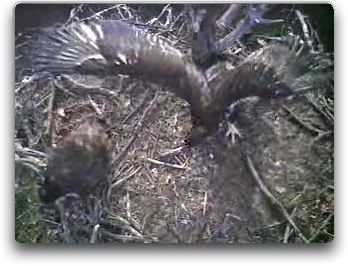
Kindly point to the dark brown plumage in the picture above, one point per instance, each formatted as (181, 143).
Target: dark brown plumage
(81, 165)
(109, 47)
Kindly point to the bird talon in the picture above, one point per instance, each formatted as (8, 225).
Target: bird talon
(232, 131)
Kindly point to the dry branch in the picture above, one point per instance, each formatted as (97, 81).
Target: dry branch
(321, 227)
(49, 129)
(125, 224)
(94, 233)
(229, 16)
(172, 152)
(273, 199)
(120, 182)
(301, 122)
(95, 106)
(136, 131)
(66, 83)
(127, 238)
(176, 166)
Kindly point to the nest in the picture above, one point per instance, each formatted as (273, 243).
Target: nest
(161, 189)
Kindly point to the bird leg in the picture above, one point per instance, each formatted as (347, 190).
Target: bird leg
(232, 132)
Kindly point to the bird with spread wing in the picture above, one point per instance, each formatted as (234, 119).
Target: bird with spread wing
(110, 47)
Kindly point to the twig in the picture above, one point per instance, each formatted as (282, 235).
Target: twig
(315, 37)
(94, 106)
(49, 221)
(73, 14)
(120, 182)
(274, 201)
(28, 131)
(136, 110)
(48, 130)
(176, 20)
(123, 170)
(205, 202)
(301, 122)
(304, 29)
(176, 166)
(229, 16)
(30, 159)
(64, 90)
(126, 237)
(140, 24)
(20, 86)
(94, 233)
(173, 151)
(272, 225)
(321, 227)
(32, 167)
(29, 210)
(126, 9)
(128, 209)
(126, 224)
(322, 135)
(319, 132)
(67, 83)
(288, 230)
(148, 174)
(154, 146)
(136, 130)
(44, 98)
(328, 116)
(180, 162)
(181, 27)
(203, 32)
(97, 15)
(253, 18)
(29, 151)
(154, 20)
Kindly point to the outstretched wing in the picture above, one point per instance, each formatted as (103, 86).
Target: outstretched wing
(277, 70)
(107, 47)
